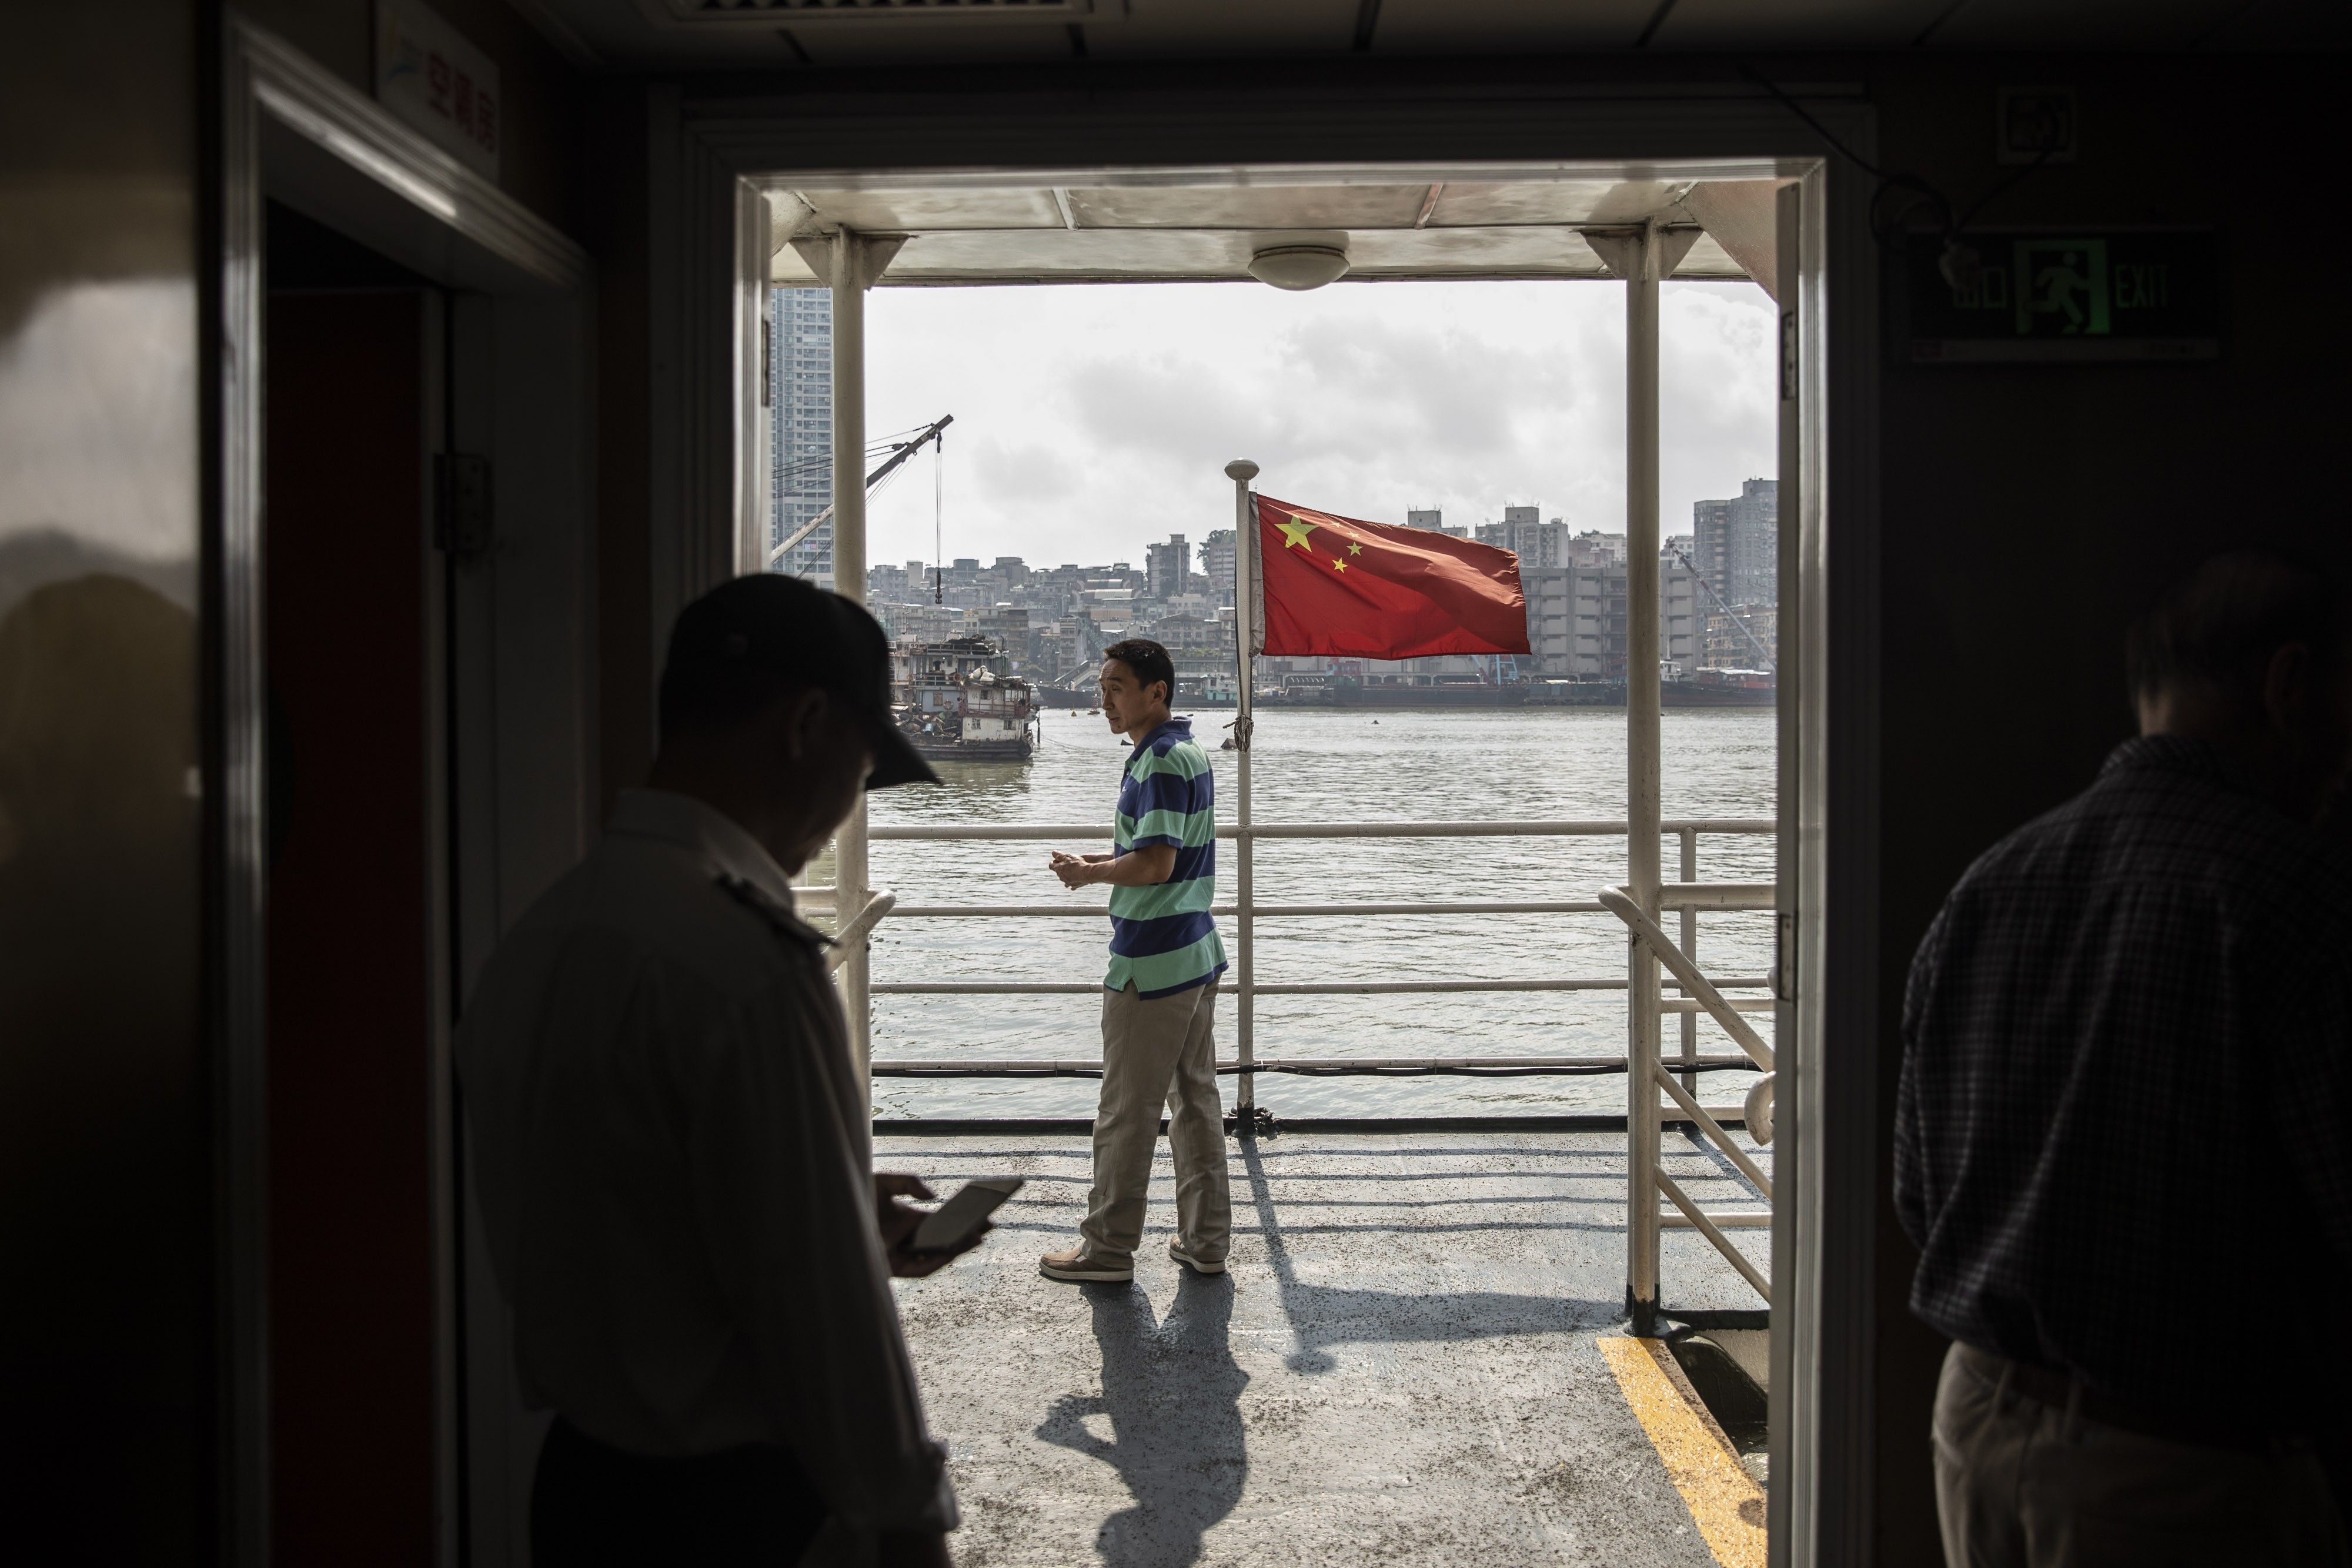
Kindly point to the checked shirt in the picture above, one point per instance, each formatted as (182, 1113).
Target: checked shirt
(2123, 1128)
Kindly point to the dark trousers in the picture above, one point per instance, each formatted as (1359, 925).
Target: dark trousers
(2020, 1484)
(593, 1505)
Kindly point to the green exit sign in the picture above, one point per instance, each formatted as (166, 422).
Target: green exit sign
(2061, 297)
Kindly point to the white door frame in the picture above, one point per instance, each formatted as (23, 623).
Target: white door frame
(1828, 1172)
(517, 709)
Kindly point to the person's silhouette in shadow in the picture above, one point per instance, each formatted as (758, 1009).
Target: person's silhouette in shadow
(1173, 1393)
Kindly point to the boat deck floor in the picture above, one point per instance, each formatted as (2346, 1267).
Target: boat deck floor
(1402, 1366)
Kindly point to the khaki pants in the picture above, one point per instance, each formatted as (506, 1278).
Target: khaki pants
(1156, 1050)
(2020, 1483)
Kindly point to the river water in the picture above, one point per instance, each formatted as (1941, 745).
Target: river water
(1330, 766)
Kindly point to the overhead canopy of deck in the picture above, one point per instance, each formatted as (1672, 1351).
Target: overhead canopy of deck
(1205, 225)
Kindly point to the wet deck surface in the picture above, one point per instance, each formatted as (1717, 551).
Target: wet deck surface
(1400, 1368)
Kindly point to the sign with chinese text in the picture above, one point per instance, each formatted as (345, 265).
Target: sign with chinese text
(2060, 296)
(432, 78)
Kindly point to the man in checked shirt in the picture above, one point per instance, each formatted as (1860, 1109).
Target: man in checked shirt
(2126, 1114)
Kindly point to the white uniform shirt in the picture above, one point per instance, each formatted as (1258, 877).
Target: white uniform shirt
(675, 1170)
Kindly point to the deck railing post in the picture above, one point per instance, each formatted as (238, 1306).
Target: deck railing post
(1241, 471)
(1643, 809)
(849, 857)
(1690, 950)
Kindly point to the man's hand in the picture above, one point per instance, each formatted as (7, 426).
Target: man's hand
(1076, 870)
(897, 1220)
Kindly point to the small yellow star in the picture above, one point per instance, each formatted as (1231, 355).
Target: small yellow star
(1354, 548)
(1338, 565)
(1298, 529)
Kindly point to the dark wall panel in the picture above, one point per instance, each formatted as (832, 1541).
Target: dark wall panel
(106, 1347)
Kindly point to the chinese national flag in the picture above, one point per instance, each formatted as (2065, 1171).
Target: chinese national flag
(1379, 590)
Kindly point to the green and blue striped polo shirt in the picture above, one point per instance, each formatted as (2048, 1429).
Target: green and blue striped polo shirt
(1162, 938)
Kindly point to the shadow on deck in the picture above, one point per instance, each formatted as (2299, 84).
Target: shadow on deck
(1400, 1367)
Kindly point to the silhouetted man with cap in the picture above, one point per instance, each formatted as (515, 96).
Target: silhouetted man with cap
(2127, 1083)
(672, 1146)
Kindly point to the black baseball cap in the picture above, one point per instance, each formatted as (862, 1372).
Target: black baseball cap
(767, 623)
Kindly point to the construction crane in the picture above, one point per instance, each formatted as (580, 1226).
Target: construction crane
(1733, 616)
(899, 452)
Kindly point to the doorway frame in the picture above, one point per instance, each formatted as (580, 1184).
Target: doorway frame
(291, 130)
(708, 260)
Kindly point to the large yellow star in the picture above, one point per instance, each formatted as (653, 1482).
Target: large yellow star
(1298, 529)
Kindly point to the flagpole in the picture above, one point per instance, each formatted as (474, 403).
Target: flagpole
(1241, 471)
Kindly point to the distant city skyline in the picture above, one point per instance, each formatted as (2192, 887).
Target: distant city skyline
(1094, 420)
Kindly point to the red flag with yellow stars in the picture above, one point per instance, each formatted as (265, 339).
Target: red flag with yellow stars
(1338, 585)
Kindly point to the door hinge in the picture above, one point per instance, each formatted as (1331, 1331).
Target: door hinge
(461, 504)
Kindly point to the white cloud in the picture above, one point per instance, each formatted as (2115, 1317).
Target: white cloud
(1090, 419)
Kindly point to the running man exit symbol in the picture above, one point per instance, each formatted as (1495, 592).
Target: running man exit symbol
(2061, 287)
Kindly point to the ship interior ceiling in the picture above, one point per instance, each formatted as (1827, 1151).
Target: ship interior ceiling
(360, 484)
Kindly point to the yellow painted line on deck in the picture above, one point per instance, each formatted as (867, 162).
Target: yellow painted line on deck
(1724, 1500)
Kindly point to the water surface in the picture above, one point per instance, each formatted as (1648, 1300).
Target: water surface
(1330, 766)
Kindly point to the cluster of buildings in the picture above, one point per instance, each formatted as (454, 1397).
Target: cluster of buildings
(1717, 587)
(1055, 622)
(1717, 594)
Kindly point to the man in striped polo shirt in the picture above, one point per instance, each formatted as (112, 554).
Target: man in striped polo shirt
(1159, 998)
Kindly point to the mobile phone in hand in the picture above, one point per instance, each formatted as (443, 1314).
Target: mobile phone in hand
(951, 1224)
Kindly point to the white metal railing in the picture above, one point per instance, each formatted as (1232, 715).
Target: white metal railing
(1688, 896)
(1647, 1179)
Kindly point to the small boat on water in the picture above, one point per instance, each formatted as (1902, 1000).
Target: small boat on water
(1720, 688)
(959, 701)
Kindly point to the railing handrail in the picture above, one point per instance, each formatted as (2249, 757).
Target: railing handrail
(943, 832)
(1648, 1184)
(1750, 896)
(1646, 931)
(1302, 1066)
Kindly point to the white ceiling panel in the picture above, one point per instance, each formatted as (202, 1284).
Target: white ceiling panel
(1248, 207)
(1525, 228)
(1061, 255)
(1554, 202)
(1099, 256)
(1467, 253)
(906, 212)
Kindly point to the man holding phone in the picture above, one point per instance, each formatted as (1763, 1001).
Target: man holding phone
(671, 1143)
(1159, 998)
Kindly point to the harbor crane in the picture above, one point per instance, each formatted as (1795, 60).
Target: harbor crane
(1733, 616)
(899, 452)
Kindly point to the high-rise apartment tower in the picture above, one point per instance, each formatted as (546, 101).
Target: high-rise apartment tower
(1737, 543)
(800, 428)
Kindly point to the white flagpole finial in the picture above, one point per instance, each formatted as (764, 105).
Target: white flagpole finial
(1241, 469)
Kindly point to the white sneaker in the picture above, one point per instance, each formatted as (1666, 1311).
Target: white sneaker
(1198, 1265)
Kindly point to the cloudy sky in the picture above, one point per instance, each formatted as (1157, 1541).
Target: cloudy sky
(1091, 419)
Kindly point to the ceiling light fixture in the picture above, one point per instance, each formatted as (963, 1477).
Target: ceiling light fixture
(1299, 267)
